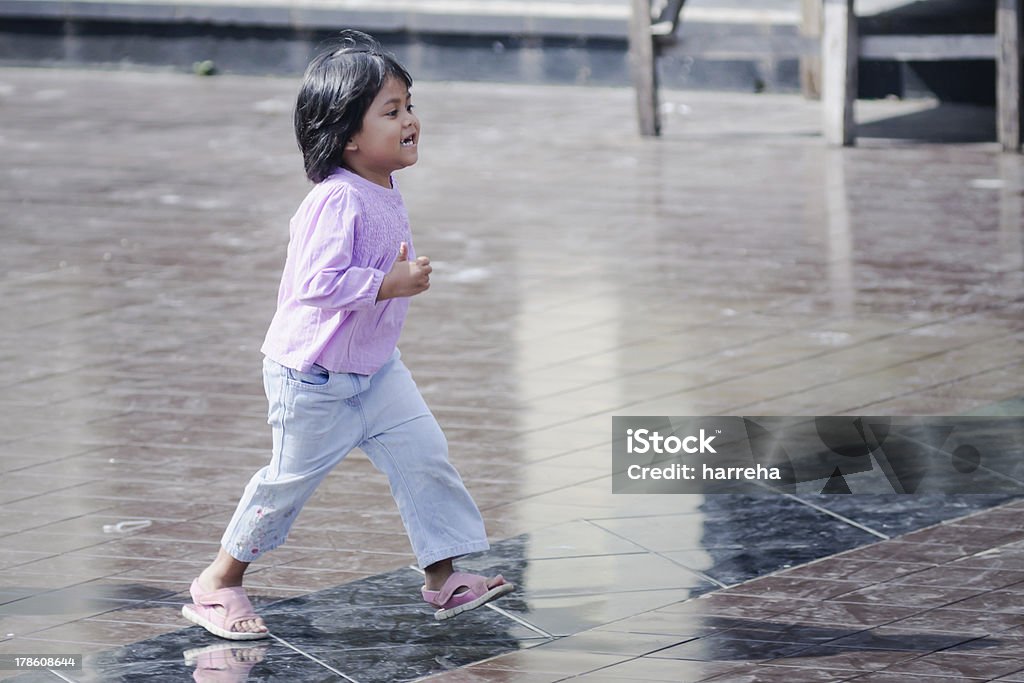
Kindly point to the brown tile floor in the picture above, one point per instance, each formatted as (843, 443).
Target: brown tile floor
(735, 266)
(825, 621)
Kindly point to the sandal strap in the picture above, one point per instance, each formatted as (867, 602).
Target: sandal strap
(234, 600)
(473, 582)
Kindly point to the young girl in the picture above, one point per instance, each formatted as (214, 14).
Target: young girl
(332, 373)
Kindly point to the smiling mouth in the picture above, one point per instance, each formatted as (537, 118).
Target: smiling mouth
(409, 141)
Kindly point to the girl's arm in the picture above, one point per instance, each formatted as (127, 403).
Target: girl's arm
(325, 276)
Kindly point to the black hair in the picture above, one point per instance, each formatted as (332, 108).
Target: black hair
(337, 89)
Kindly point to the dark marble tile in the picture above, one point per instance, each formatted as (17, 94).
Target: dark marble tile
(201, 661)
(371, 627)
(378, 627)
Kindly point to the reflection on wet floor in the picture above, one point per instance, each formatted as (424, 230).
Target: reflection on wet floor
(735, 267)
(572, 578)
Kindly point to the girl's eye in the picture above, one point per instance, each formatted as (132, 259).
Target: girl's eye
(410, 108)
(392, 113)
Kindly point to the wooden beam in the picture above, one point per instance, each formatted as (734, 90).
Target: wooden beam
(1008, 69)
(644, 68)
(810, 65)
(839, 71)
(907, 48)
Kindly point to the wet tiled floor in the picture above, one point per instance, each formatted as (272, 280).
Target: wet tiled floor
(735, 266)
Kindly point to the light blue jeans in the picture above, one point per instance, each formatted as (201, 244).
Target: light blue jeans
(317, 418)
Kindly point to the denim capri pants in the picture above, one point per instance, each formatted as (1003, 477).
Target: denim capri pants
(317, 417)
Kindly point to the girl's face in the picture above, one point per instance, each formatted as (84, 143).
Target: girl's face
(388, 138)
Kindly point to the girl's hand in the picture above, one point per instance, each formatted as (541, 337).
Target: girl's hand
(405, 278)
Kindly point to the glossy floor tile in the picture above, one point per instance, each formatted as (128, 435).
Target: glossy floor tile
(735, 266)
(377, 629)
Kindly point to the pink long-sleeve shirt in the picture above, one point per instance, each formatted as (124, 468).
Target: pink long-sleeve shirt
(344, 238)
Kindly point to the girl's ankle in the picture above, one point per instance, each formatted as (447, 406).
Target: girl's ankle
(434, 580)
(211, 579)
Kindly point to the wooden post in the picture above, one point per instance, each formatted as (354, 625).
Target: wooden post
(644, 67)
(839, 67)
(810, 65)
(841, 281)
(1011, 215)
(1008, 68)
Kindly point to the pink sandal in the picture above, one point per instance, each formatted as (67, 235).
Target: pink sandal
(237, 608)
(477, 593)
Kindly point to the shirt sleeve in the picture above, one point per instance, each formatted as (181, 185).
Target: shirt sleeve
(325, 275)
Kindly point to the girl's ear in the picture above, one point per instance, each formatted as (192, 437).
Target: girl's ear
(351, 145)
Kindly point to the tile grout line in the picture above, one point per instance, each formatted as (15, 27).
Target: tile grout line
(841, 518)
(502, 612)
(521, 621)
(313, 659)
(696, 572)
